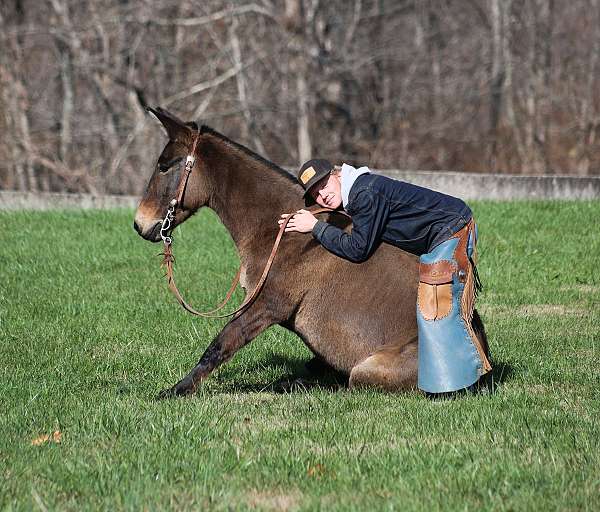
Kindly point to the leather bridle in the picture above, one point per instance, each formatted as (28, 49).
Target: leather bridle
(190, 160)
(169, 259)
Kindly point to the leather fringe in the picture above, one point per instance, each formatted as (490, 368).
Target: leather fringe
(467, 303)
(478, 284)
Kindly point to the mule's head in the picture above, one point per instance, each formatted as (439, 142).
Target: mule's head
(165, 179)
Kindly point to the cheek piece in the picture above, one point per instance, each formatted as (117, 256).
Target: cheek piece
(190, 160)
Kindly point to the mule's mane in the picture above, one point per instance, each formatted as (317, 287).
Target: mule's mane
(210, 131)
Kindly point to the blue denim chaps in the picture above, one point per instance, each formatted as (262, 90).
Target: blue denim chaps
(451, 357)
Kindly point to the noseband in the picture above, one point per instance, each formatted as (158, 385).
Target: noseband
(169, 259)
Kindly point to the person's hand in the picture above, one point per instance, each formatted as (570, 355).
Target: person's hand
(303, 221)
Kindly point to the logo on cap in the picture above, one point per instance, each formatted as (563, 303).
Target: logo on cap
(307, 175)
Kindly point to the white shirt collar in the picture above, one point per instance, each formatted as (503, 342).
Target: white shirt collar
(348, 177)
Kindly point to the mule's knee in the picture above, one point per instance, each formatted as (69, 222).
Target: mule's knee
(391, 369)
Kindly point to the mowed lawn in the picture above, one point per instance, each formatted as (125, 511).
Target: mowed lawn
(89, 334)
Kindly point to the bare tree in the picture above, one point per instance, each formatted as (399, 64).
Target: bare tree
(498, 85)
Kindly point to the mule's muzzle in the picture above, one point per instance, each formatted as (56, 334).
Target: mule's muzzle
(150, 233)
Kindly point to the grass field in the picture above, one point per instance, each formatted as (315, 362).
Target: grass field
(89, 335)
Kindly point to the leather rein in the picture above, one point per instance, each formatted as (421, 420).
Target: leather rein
(169, 259)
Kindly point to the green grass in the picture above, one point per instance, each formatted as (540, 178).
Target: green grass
(89, 334)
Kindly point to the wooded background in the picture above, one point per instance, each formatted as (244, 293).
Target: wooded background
(507, 86)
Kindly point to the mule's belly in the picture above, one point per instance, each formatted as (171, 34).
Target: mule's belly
(362, 308)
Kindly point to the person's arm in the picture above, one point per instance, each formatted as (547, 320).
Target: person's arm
(370, 213)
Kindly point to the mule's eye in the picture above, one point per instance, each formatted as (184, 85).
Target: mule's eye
(165, 166)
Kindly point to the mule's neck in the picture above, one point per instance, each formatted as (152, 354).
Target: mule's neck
(249, 195)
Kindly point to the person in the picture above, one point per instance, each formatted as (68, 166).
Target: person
(438, 228)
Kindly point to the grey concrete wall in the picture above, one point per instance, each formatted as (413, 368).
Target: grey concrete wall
(503, 186)
(44, 201)
(463, 185)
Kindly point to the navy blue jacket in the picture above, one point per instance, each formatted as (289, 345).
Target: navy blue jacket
(410, 217)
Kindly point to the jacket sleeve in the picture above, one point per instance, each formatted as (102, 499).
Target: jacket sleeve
(369, 217)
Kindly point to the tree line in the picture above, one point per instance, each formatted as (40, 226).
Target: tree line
(507, 86)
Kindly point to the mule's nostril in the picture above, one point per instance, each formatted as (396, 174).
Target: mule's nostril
(136, 227)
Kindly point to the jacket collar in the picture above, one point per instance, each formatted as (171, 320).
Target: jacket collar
(348, 177)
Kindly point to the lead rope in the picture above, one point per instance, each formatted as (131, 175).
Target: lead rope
(169, 259)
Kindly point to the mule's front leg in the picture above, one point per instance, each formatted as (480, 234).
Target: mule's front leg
(237, 333)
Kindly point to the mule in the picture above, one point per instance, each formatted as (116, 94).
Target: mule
(360, 319)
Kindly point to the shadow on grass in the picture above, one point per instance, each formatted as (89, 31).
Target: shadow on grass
(301, 376)
(315, 373)
(501, 373)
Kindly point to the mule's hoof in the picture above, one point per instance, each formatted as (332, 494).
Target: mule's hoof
(177, 391)
(166, 394)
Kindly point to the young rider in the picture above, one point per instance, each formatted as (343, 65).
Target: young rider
(438, 228)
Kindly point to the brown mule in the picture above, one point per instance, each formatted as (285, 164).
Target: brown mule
(358, 318)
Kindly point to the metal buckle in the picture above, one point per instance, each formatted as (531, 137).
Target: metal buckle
(189, 162)
(165, 227)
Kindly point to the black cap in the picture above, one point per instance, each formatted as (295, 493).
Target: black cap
(310, 173)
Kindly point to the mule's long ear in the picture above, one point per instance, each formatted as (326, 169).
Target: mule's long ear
(176, 128)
